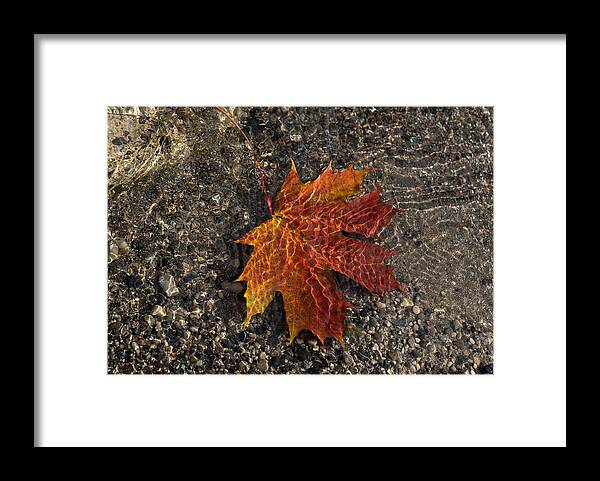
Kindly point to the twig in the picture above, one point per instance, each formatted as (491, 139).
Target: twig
(260, 170)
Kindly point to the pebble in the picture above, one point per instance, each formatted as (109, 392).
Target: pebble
(122, 245)
(113, 252)
(159, 311)
(487, 369)
(406, 302)
(167, 282)
(263, 364)
(348, 359)
(416, 310)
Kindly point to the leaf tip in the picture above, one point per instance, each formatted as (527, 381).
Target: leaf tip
(244, 240)
(293, 335)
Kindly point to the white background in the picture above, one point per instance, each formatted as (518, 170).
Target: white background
(523, 403)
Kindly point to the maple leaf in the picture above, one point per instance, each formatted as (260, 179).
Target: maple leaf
(297, 249)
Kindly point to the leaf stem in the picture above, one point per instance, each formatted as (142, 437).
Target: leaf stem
(260, 170)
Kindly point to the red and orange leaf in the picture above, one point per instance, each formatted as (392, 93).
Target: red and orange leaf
(296, 251)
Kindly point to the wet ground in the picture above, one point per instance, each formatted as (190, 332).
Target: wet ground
(183, 186)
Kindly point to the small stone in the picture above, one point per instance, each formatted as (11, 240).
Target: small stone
(149, 320)
(113, 251)
(159, 311)
(348, 359)
(399, 322)
(167, 282)
(263, 364)
(487, 369)
(380, 305)
(416, 310)
(406, 302)
(295, 137)
(122, 245)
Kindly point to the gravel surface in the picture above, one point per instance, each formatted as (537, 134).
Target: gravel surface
(182, 186)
